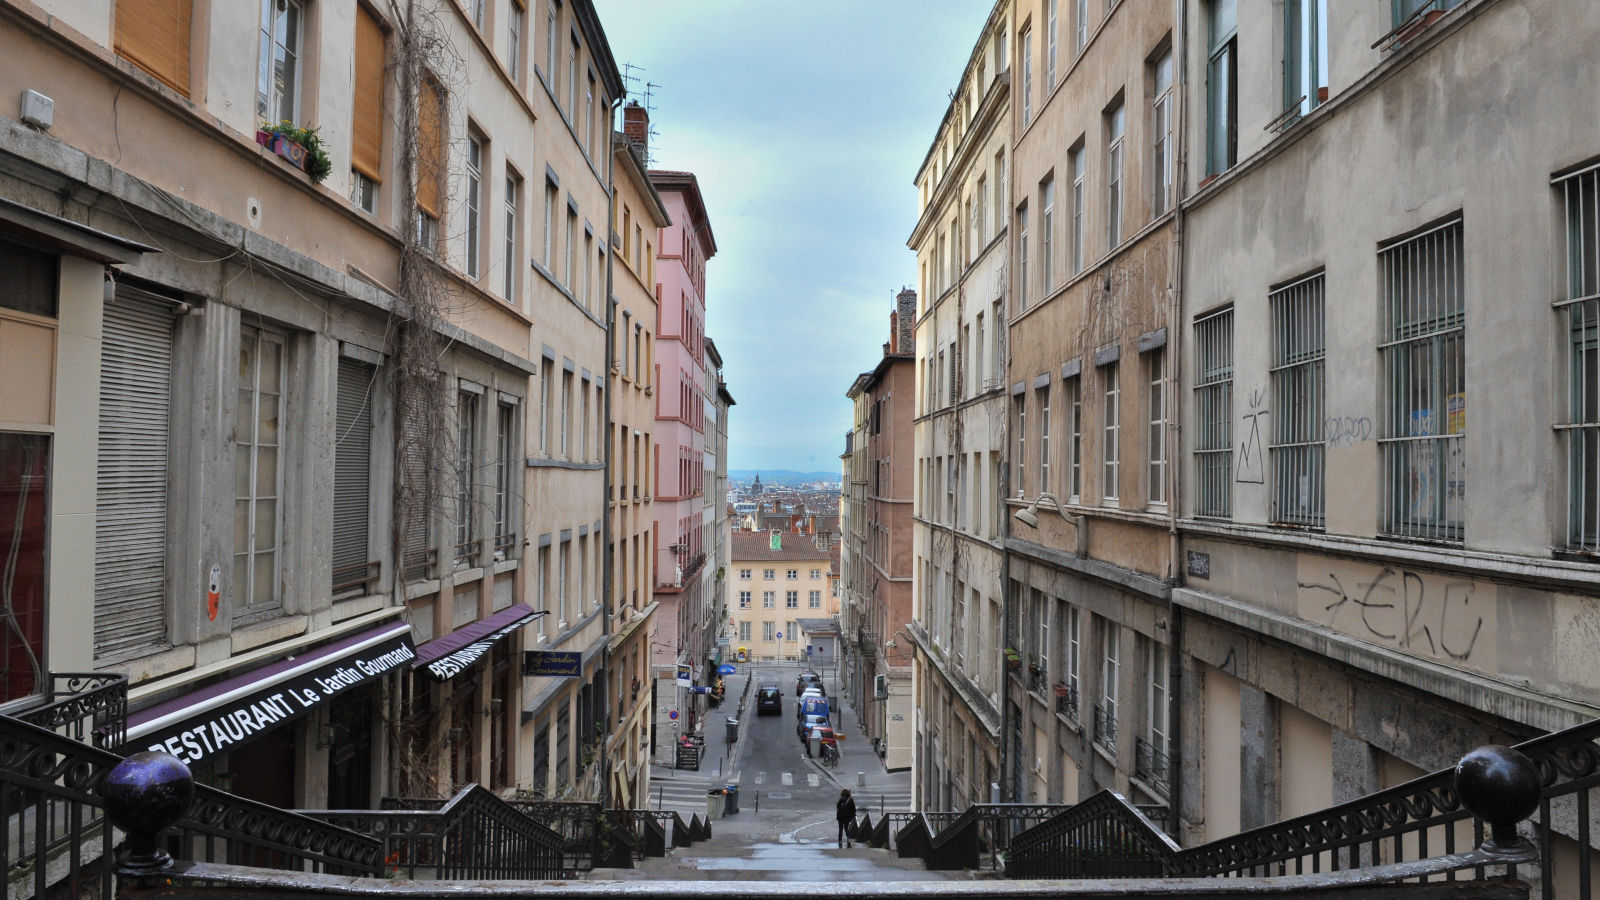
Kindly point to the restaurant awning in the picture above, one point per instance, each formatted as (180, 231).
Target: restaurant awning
(446, 657)
(229, 714)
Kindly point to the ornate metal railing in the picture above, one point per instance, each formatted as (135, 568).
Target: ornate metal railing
(1102, 837)
(973, 839)
(56, 831)
(473, 835)
(82, 705)
(591, 837)
(1150, 765)
(1067, 701)
(1105, 730)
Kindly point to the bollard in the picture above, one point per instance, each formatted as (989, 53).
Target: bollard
(659, 790)
(861, 779)
(758, 802)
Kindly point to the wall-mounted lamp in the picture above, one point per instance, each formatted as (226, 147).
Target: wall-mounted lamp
(1030, 518)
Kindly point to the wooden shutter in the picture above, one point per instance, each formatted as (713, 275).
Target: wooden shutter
(430, 145)
(352, 469)
(366, 153)
(130, 540)
(154, 35)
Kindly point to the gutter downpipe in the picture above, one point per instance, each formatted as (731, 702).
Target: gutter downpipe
(607, 589)
(1175, 427)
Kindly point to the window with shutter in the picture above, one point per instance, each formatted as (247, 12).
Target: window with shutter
(430, 146)
(131, 494)
(154, 35)
(366, 153)
(352, 477)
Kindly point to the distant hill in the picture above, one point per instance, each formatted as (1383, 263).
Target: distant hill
(781, 476)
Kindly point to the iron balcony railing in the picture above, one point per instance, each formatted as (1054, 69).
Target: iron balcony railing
(590, 837)
(473, 835)
(1067, 701)
(1105, 729)
(55, 839)
(84, 705)
(1150, 765)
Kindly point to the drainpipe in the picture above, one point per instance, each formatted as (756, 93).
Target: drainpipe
(607, 585)
(1008, 790)
(1175, 433)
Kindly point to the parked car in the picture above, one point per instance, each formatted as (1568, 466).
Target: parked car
(769, 700)
(803, 730)
(800, 704)
(809, 679)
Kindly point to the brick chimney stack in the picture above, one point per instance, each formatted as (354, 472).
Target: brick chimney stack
(894, 332)
(636, 128)
(906, 319)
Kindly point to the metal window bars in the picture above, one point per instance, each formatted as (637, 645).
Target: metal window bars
(1425, 416)
(1105, 729)
(1150, 765)
(1213, 453)
(1067, 700)
(1581, 431)
(1298, 447)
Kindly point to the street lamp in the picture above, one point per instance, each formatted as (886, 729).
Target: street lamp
(1030, 518)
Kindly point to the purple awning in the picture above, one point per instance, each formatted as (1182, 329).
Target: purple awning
(446, 657)
(231, 713)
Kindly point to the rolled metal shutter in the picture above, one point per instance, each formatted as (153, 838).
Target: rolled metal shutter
(352, 469)
(130, 540)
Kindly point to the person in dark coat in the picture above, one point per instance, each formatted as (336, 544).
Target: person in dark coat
(845, 812)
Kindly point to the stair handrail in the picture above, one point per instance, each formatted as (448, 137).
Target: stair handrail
(1104, 836)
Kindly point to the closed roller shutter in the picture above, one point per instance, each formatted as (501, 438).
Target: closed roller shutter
(352, 473)
(130, 541)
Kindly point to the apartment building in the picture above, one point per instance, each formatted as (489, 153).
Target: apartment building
(961, 240)
(302, 400)
(876, 556)
(717, 514)
(1366, 251)
(1090, 388)
(678, 550)
(632, 429)
(775, 580)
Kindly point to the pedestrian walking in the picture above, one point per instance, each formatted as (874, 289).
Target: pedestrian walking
(845, 812)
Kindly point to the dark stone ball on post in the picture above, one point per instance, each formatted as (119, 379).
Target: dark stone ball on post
(1500, 786)
(144, 795)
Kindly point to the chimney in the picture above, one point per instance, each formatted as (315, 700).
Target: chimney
(636, 128)
(894, 332)
(905, 318)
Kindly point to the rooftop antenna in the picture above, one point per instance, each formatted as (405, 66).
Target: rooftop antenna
(628, 78)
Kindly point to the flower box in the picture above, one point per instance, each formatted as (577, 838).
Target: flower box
(292, 151)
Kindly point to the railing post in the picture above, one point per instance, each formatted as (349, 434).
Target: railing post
(144, 795)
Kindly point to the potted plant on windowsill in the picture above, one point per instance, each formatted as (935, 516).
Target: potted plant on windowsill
(1013, 659)
(302, 147)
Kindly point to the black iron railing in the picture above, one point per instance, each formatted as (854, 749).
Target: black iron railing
(1038, 678)
(1067, 701)
(1105, 729)
(591, 836)
(972, 839)
(1150, 765)
(1102, 837)
(82, 705)
(55, 837)
(473, 835)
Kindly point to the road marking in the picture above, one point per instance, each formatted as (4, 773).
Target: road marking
(761, 778)
(813, 780)
(788, 779)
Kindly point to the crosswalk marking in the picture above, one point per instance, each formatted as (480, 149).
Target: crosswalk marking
(788, 778)
(761, 778)
(813, 780)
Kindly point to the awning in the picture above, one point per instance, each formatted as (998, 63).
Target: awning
(232, 713)
(446, 657)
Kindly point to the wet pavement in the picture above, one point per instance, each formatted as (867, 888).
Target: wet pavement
(804, 860)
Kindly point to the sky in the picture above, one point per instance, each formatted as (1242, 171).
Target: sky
(805, 122)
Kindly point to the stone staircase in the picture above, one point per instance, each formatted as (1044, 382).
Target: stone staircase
(734, 858)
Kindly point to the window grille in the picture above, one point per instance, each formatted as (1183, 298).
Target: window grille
(1582, 305)
(1298, 387)
(1424, 420)
(1214, 405)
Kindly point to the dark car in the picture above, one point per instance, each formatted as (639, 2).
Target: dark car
(809, 679)
(769, 700)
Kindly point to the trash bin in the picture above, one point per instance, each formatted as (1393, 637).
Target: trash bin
(814, 747)
(715, 803)
(730, 795)
(733, 729)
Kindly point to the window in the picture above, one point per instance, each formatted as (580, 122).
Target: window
(572, 248)
(1043, 395)
(547, 372)
(816, 574)
(572, 81)
(1305, 55)
(1027, 77)
(767, 630)
(366, 144)
(466, 472)
(1158, 426)
(1424, 369)
(513, 199)
(588, 118)
(506, 483)
(1020, 401)
(1071, 674)
(1081, 20)
(257, 452)
(514, 41)
(769, 574)
(1022, 250)
(1001, 195)
(978, 374)
(1041, 615)
(1050, 54)
(1047, 228)
(551, 199)
(1111, 449)
(1582, 313)
(551, 36)
(566, 413)
(744, 631)
(744, 574)
(769, 599)
(157, 39)
(474, 202)
(1297, 446)
(278, 71)
(1222, 89)
(24, 524)
(1118, 123)
(1213, 337)
(1079, 166)
(475, 11)
(1156, 709)
(1111, 671)
(792, 574)
(980, 216)
(814, 600)
(1161, 149)
(1074, 389)
(744, 599)
(791, 599)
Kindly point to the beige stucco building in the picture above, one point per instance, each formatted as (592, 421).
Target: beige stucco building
(774, 579)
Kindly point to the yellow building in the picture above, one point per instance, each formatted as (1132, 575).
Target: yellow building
(775, 580)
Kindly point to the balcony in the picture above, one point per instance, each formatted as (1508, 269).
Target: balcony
(82, 705)
(1105, 730)
(1067, 700)
(1150, 765)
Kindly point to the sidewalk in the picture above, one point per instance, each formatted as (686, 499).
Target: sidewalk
(860, 770)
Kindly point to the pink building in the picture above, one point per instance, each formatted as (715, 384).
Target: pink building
(683, 636)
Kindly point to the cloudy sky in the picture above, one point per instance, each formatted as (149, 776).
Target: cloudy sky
(805, 121)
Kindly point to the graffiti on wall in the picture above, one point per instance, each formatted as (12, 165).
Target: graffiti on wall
(1447, 619)
(1252, 468)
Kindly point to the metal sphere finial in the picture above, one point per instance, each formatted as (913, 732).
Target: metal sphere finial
(1500, 786)
(145, 795)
